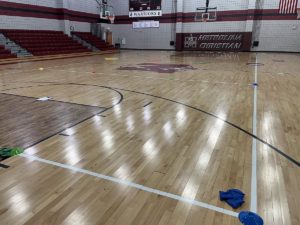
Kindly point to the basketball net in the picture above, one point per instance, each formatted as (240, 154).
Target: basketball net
(205, 17)
(298, 16)
(111, 19)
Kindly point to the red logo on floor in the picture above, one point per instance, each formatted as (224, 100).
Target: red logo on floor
(159, 68)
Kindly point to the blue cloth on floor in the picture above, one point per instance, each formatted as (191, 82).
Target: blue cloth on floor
(231, 193)
(235, 203)
(250, 218)
(233, 197)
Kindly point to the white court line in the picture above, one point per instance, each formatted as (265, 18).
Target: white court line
(253, 206)
(131, 184)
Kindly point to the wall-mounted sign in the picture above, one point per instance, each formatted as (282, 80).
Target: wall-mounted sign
(145, 8)
(149, 13)
(145, 24)
(216, 41)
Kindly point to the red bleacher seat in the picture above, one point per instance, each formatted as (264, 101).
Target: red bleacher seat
(95, 41)
(44, 42)
(5, 53)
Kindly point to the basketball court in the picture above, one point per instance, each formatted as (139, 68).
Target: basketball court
(151, 136)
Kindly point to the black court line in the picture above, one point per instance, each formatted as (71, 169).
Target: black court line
(79, 122)
(147, 104)
(255, 64)
(63, 134)
(62, 84)
(225, 121)
(279, 151)
(52, 100)
(4, 166)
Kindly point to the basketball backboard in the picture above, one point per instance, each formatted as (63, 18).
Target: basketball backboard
(206, 14)
(106, 11)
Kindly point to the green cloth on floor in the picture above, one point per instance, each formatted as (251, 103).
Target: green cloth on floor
(8, 152)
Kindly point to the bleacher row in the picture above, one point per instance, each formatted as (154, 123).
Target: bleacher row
(40, 43)
(93, 40)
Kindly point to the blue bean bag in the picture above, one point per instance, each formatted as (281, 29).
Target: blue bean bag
(250, 218)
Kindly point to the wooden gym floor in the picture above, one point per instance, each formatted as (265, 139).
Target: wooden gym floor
(151, 137)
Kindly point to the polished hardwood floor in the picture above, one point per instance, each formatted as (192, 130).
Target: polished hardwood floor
(152, 138)
(26, 121)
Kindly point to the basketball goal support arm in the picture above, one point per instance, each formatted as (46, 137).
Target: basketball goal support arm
(207, 7)
(207, 4)
(98, 2)
(101, 4)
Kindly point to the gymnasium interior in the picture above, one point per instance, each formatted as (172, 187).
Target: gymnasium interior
(149, 112)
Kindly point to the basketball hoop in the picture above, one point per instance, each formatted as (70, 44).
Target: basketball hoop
(111, 19)
(206, 14)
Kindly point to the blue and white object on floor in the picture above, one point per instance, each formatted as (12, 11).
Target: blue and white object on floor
(250, 218)
(233, 197)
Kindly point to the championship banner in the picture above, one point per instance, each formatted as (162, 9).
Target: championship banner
(145, 8)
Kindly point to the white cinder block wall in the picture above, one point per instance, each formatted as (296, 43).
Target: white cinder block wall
(279, 35)
(48, 3)
(223, 5)
(31, 23)
(34, 23)
(151, 38)
(87, 6)
(275, 34)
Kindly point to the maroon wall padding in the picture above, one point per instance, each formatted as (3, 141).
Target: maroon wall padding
(218, 41)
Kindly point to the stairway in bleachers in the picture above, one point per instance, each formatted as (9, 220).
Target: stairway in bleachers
(84, 43)
(95, 41)
(40, 43)
(13, 47)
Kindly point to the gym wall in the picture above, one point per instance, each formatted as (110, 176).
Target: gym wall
(246, 20)
(238, 24)
(151, 38)
(278, 33)
(48, 14)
